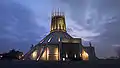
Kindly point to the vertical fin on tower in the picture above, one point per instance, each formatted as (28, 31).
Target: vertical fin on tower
(58, 21)
(57, 12)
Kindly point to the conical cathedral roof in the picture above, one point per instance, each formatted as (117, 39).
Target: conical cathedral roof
(55, 37)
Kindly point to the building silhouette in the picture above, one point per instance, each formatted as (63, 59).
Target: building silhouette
(59, 45)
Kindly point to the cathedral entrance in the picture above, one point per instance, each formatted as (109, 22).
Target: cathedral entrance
(70, 51)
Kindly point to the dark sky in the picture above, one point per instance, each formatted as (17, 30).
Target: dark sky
(26, 22)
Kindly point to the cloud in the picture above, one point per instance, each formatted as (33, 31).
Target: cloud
(78, 31)
(43, 17)
(100, 17)
(109, 38)
(92, 20)
(18, 28)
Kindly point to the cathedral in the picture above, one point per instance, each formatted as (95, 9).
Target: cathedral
(58, 45)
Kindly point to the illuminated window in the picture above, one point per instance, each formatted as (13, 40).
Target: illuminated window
(43, 57)
(49, 39)
(34, 55)
(75, 55)
(80, 55)
(59, 39)
(51, 28)
(45, 54)
(56, 53)
(63, 59)
(66, 55)
(48, 53)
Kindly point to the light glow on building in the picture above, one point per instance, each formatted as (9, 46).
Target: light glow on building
(59, 39)
(43, 57)
(63, 59)
(75, 56)
(66, 55)
(58, 27)
(34, 55)
(85, 55)
(56, 54)
(48, 53)
(49, 39)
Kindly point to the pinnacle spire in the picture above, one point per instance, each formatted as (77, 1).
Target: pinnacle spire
(58, 21)
(57, 12)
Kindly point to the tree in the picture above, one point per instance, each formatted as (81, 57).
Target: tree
(12, 54)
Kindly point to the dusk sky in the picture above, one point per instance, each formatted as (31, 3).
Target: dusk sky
(26, 22)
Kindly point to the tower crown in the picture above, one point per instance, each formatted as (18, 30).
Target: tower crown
(58, 22)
